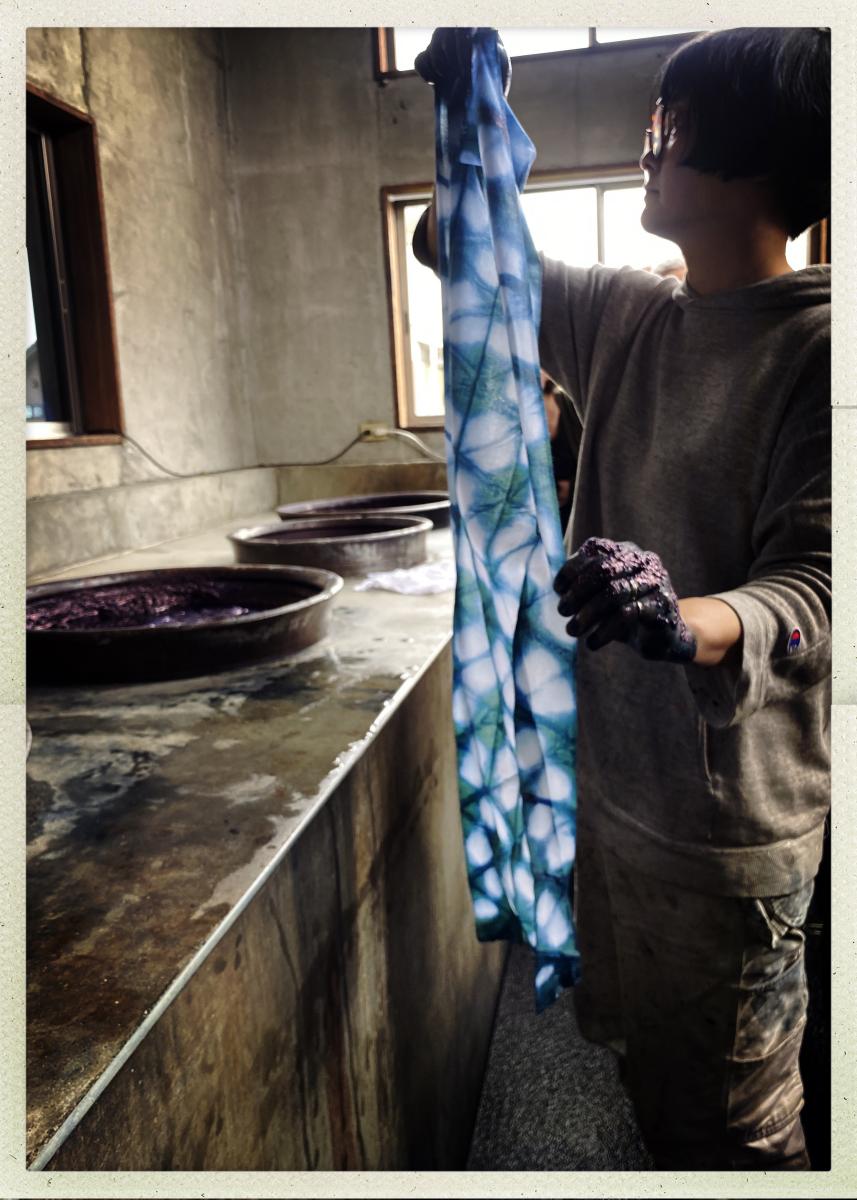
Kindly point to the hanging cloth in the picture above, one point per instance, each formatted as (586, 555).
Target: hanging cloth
(514, 705)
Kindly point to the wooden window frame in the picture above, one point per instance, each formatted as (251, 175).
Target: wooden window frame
(96, 415)
(819, 242)
(393, 197)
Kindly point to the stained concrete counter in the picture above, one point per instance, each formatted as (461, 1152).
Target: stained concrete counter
(157, 811)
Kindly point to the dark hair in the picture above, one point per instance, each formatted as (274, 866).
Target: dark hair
(759, 107)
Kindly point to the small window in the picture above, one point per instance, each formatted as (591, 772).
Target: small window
(407, 43)
(580, 218)
(417, 317)
(72, 388)
(622, 34)
(51, 403)
(577, 218)
(397, 48)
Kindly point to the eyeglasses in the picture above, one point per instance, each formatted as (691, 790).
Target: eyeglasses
(662, 132)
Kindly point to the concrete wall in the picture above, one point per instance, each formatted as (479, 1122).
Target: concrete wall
(353, 479)
(343, 1021)
(580, 109)
(314, 139)
(242, 170)
(157, 96)
(305, 149)
(98, 522)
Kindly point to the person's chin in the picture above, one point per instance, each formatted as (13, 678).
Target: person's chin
(651, 218)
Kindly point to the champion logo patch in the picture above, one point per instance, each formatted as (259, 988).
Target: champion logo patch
(794, 642)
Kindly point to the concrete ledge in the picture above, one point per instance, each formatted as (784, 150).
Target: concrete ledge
(251, 940)
(343, 1020)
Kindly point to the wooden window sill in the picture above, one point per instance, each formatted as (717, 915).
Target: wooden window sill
(84, 439)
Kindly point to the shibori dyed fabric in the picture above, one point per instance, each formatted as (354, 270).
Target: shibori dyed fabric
(513, 694)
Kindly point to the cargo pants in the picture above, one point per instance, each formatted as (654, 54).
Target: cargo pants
(704, 999)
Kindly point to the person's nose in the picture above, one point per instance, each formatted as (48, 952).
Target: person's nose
(647, 163)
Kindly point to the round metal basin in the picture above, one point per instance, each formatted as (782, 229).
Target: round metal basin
(433, 505)
(349, 545)
(169, 624)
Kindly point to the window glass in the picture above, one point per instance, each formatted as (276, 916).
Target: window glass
(620, 34)
(408, 43)
(425, 324)
(71, 382)
(542, 41)
(564, 223)
(797, 252)
(626, 243)
(46, 383)
(35, 398)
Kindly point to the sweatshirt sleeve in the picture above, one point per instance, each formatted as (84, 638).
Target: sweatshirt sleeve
(788, 591)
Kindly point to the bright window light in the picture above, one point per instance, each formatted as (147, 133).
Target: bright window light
(542, 41)
(797, 252)
(626, 243)
(31, 315)
(409, 42)
(632, 35)
(564, 223)
(425, 324)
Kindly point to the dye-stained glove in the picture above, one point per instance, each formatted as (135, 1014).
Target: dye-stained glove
(614, 591)
(445, 62)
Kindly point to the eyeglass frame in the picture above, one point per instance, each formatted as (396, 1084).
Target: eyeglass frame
(654, 142)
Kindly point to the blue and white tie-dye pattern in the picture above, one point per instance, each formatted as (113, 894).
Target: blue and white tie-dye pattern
(513, 697)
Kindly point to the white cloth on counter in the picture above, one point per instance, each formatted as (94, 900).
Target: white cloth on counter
(425, 579)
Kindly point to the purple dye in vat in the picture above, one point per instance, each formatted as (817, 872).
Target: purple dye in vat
(135, 606)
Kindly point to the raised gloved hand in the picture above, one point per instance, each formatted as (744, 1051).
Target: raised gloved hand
(614, 591)
(445, 62)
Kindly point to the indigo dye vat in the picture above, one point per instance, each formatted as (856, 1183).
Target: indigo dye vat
(167, 624)
(433, 505)
(352, 544)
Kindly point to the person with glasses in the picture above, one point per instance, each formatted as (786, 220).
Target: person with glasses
(698, 582)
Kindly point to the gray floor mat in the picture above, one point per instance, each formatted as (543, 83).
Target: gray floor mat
(550, 1101)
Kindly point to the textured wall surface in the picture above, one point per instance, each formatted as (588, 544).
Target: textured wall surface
(314, 483)
(314, 140)
(78, 527)
(580, 110)
(242, 171)
(303, 108)
(157, 97)
(343, 1021)
(55, 63)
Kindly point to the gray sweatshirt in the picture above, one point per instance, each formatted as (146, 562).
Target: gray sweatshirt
(706, 438)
